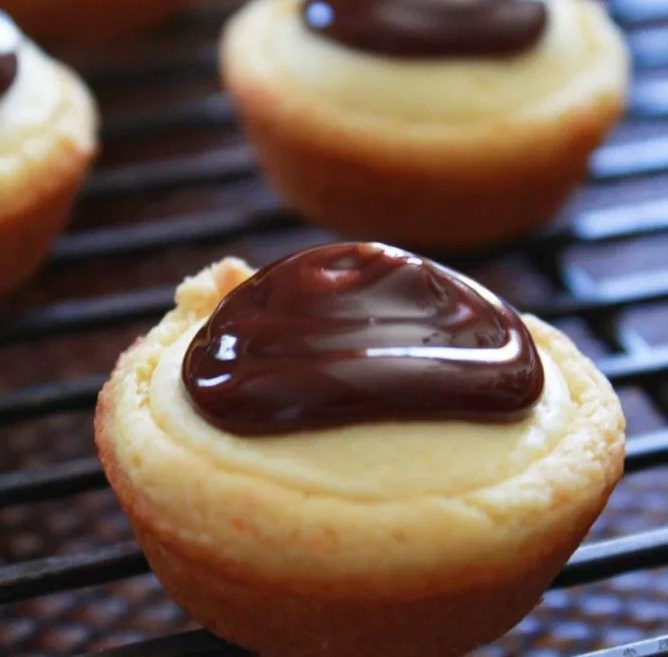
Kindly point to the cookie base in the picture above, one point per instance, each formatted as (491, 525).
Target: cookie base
(419, 197)
(27, 234)
(81, 21)
(274, 621)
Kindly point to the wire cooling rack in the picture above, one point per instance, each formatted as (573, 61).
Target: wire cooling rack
(176, 189)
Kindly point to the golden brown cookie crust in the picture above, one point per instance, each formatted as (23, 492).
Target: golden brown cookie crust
(274, 622)
(26, 236)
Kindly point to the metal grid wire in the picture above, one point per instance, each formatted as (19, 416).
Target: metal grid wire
(177, 188)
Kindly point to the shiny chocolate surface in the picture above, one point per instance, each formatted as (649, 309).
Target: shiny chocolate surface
(429, 28)
(360, 332)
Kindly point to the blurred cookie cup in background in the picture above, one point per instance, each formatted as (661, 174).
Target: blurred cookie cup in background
(469, 123)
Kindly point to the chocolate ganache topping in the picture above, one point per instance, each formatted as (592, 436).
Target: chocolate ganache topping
(10, 39)
(429, 28)
(355, 333)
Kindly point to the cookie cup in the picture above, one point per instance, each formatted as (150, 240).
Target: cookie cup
(284, 563)
(48, 125)
(448, 154)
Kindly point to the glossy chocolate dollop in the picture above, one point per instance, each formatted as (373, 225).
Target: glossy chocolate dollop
(10, 39)
(429, 28)
(359, 332)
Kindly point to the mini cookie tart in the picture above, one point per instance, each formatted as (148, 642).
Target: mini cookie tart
(87, 21)
(48, 128)
(356, 452)
(470, 123)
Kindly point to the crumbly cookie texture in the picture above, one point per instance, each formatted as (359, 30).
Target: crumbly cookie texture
(580, 57)
(263, 523)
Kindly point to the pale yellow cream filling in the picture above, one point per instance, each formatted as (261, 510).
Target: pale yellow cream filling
(580, 55)
(372, 461)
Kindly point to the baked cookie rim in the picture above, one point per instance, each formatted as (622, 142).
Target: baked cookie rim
(317, 114)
